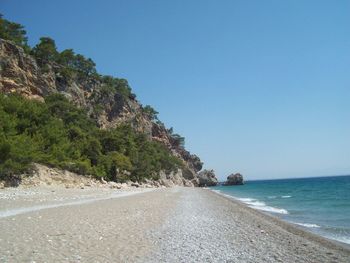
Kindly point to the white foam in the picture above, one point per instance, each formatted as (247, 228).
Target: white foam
(271, 209)
(341, 239)
(307, 225)
(286, 196)
(246, 199)
(256, 204)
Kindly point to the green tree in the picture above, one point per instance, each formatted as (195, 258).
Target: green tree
(66, 58)
(150, 112)
(13, 32)
(45, 51)
(85, 66)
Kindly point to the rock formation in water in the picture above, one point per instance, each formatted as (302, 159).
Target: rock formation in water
(234, 179)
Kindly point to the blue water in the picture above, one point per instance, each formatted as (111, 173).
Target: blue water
(321, 205)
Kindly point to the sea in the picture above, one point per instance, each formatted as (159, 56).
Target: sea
(320, 205)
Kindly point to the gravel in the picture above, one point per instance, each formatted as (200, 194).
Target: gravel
(206, 227)
(165, 225)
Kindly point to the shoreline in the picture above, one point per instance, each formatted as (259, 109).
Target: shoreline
(178, 224)
(290, 227)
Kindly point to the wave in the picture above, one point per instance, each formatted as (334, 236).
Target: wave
(286, 196)
(256, 204)
(307, 225)
(271, 209)
(246, 200)
(340, 239)
(327, 232)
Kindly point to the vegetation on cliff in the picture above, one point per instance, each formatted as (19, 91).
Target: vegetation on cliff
(13, 32)
(58, 133)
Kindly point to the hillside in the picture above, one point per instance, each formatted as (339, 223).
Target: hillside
(69, 116)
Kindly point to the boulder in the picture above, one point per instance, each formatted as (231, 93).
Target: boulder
(135, 185)
(124, 186)
(207, 178)
(114, 185)
(188, 174)
(194, 182)
(234, 179)
(166, 182)
(187, 183)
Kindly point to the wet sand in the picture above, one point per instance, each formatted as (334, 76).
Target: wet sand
(163, 225)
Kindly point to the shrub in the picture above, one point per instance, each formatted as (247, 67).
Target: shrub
(59, 134)
(45, 51)
(150, 112)
(13, 32)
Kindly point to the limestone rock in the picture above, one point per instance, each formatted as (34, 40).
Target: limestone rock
(114, 185)
(207, 178)
(234, 179)
(135, 184)
(188, 174)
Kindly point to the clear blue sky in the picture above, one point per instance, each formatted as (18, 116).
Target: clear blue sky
(257, 87)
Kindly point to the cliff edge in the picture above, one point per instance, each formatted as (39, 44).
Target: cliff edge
(105, 99)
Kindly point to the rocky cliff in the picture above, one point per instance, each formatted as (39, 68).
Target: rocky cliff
(20, 73)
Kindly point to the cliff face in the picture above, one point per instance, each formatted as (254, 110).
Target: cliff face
(20, 73)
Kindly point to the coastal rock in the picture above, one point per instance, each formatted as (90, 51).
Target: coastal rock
(135, 185)
(234, 179)
(114, 185)
(207, 178)
(123, 186)
(166, 183)
(188, 174)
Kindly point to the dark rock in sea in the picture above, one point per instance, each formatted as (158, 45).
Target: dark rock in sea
(234, 179)
(207, 178)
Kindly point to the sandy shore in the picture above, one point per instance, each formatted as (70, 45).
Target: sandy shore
(158, 225)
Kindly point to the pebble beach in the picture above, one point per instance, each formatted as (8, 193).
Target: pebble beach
(149, 225)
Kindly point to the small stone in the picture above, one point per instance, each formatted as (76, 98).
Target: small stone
(135, 184)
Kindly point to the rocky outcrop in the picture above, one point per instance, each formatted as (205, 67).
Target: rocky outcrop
(42, 175)
(207, 178)
(234, 179)
(20, 73)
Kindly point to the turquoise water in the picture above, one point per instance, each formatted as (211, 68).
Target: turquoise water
(321, 205)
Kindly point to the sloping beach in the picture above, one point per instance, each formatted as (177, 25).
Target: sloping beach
(162, 225)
